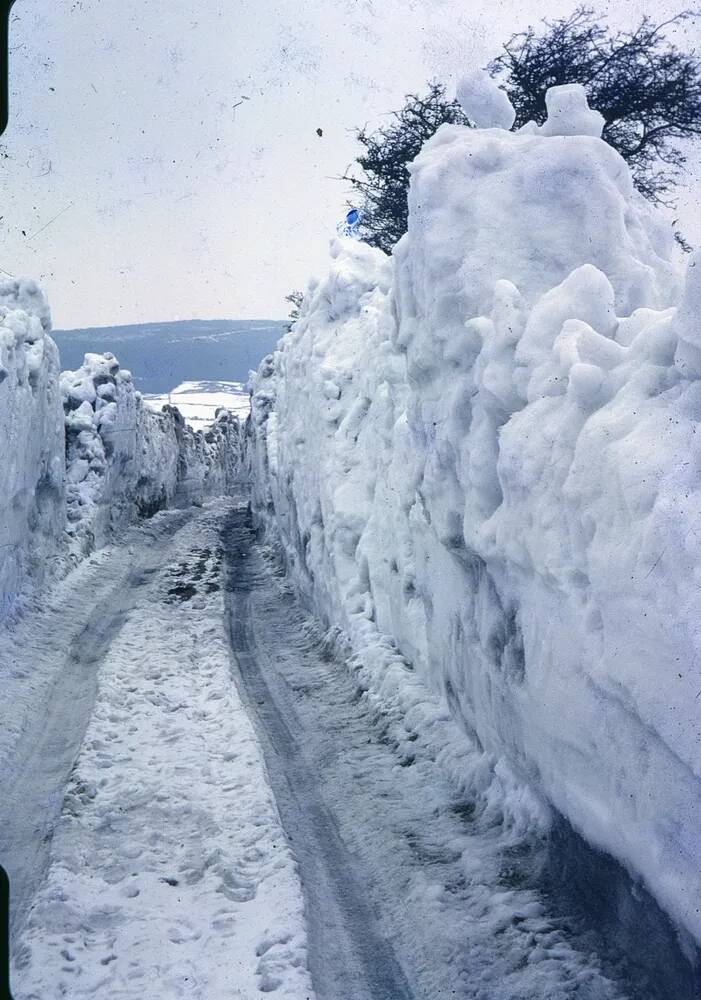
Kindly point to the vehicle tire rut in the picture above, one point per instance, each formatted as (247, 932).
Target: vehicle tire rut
(348, 954)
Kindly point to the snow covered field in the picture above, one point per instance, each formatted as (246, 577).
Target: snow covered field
(479, 459)
(198, 401)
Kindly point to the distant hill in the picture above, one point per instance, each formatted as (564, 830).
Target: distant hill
(160, 356)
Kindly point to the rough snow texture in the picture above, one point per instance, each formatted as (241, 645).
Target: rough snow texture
(570, 114)
(480, 458)
(124, 460)
(31, 436)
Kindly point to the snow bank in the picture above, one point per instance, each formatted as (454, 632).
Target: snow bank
(31, 431)
(480, 460)
(124, 460)
(82, 454)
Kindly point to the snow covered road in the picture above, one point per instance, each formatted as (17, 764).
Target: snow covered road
(50, 662)
(207, 804)
(349, 955)
(169, 875)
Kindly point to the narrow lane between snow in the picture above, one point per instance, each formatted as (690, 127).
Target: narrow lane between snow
(169, 875)
(174, 873)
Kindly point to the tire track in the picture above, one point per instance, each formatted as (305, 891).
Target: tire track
(348, 954)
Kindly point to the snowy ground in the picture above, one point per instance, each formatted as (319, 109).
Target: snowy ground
(160, 864)
(170, 875)
(198, 401)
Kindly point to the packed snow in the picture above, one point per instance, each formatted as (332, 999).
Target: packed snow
(170, 874)
(199, 401)
(570, 114)
(484, 102)
(411, 891)
(478, 457)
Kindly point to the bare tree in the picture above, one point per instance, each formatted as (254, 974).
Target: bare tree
(383, 182)
(648, 91)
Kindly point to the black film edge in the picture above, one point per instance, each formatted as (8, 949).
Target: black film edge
(4, 936)
(5, 6)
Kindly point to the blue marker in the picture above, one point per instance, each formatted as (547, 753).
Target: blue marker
(349, 226)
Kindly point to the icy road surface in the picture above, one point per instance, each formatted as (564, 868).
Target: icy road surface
(205, 805)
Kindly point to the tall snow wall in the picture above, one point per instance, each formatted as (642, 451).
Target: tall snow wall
(483, 452)
(31, 438)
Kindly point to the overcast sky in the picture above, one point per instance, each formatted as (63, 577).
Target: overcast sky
(136, 189)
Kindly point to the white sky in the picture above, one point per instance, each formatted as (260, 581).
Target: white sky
(174, 204)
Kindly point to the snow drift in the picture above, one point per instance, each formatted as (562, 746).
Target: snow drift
(31, 431)
(482, 453)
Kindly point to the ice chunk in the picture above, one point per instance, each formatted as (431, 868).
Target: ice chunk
(78, 470)
(569, 112)
(484, 103)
